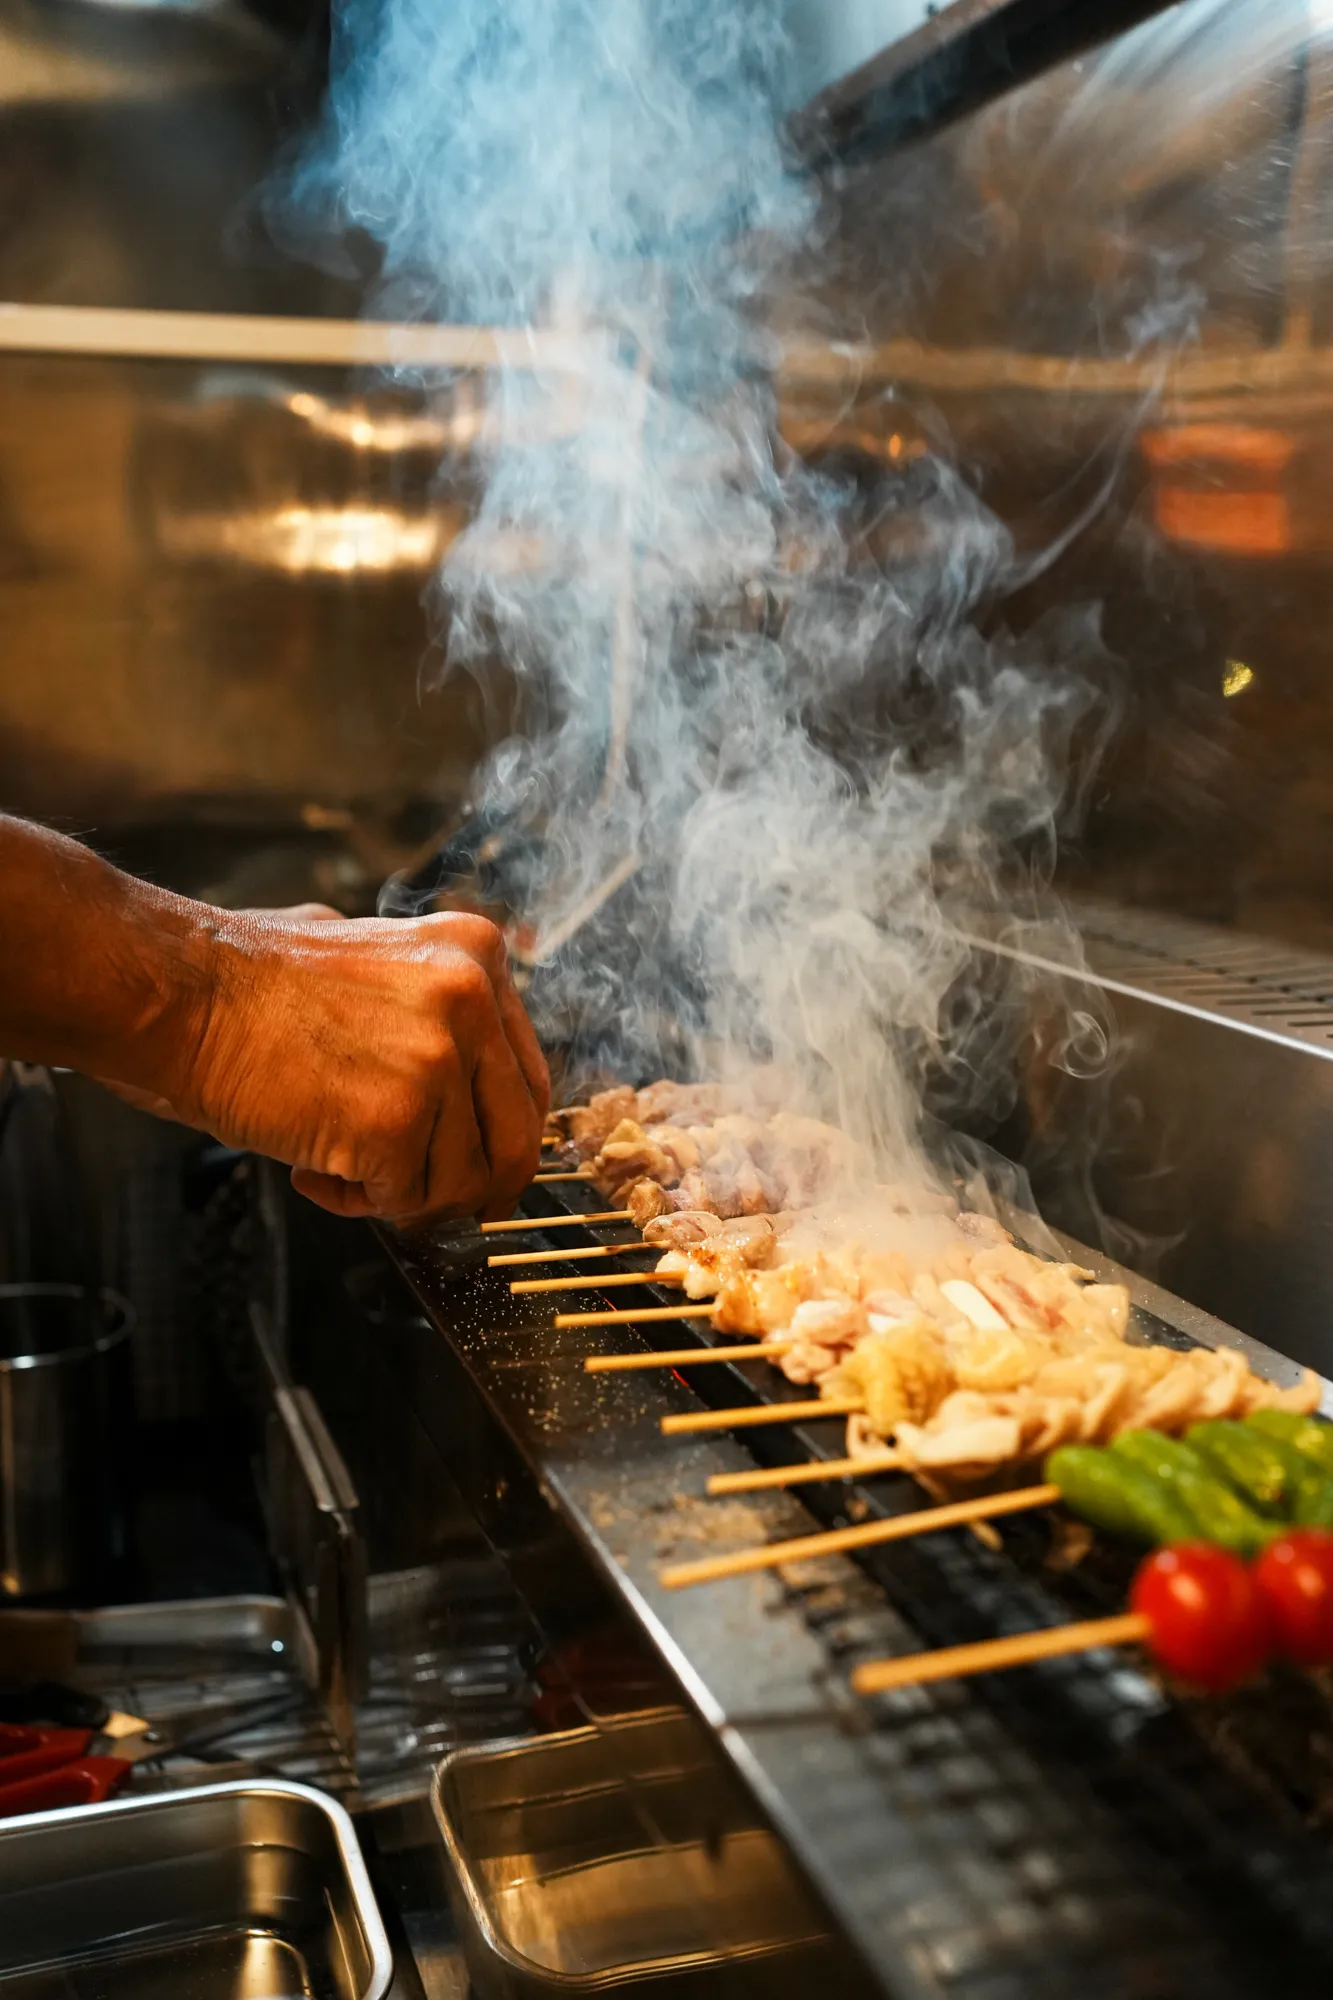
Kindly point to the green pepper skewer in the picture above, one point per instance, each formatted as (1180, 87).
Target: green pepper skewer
(1115, 1494)
(1223, 1516)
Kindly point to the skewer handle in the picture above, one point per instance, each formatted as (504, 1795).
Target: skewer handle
(988, 1655)
(575, 1174)
(566, 1256)
(613, 1280)
(629, 1317)
(684, 1357)
(762, 1413)
(533, 1224)
(866, 1535)
(808, 1473)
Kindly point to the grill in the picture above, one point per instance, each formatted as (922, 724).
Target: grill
(1066, 1827)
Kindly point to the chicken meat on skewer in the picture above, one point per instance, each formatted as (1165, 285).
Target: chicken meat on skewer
(981, 1358)
(970, 1355)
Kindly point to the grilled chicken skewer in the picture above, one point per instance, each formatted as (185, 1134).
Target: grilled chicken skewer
(964, 1351)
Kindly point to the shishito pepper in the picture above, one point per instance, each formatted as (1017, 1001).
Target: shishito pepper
(1114, 1493)
(1220, 1512)
(1305, 1434)
(1277, 1478)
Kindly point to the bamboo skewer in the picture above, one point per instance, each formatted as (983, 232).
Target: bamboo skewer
(988, 1655)
(765, 1477)
(550, 1139)
(569, 1256)
(577, 1174)
(631, 1317)
(683, 1357)
(866, 1535)
(760, 1413)
(612, 1280)
(533, 1223)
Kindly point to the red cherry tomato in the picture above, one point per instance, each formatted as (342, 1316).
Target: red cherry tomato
(1295, 1575)
(1208, 1621)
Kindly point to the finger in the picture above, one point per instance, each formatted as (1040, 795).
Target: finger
(484, 942)
(509, 1122)
(339, 1197)
(455, 1177)
(522, 1039)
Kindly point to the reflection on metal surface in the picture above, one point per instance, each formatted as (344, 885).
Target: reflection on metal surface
(1214, 1131)
(71, 55)
(618, 1853)
(212, 1892)
(305, 541)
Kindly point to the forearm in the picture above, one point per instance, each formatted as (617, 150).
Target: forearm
(98, 972)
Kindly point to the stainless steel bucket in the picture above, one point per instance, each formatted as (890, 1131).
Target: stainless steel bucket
(65, 1417)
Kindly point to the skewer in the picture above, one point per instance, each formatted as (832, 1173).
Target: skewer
(581, 1284)
(761, 1413)
(683, 1357)
(569, 1256)
(534, 1223)
(631, 1318)
(866, 1535)
(808, 1472)
(988, 1655)
(576, 1174)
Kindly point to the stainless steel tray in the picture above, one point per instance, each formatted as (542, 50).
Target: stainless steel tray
(253, 1890)
(614, 1856)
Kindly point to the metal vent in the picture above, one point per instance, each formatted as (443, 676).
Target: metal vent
(1269, 988)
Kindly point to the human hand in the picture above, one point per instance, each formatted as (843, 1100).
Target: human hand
(389, 1062)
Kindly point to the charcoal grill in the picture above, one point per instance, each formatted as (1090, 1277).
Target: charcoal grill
(1068, 1827)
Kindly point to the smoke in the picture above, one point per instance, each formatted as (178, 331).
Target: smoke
(755, 697)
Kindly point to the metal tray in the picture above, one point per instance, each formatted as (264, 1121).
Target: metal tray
(620, 1856)
(254, 1890)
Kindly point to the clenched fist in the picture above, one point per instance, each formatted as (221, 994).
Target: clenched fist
(389, 1063)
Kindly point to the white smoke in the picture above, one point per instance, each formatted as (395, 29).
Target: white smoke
(713, 668)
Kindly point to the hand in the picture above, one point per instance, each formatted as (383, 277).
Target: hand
(389, 1062)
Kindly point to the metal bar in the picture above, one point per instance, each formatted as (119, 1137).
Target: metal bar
(319, 343)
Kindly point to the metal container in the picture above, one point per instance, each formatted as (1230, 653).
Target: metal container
(620, 1855)
(256, 1890)
(65, 1410)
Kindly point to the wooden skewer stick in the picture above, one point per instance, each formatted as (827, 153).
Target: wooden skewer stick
(631, 1318)
(581, 1284)
(988, 1655)
(568, 1256)
(576, 1174)
(684, 1357)
(551, 1139)
(866, 1535)
(807, 1473)
(533, 1223)
(761, 1413)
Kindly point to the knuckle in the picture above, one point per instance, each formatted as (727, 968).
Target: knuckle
(469, 984)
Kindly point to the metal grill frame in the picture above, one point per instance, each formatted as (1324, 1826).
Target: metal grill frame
(1019, 1838)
